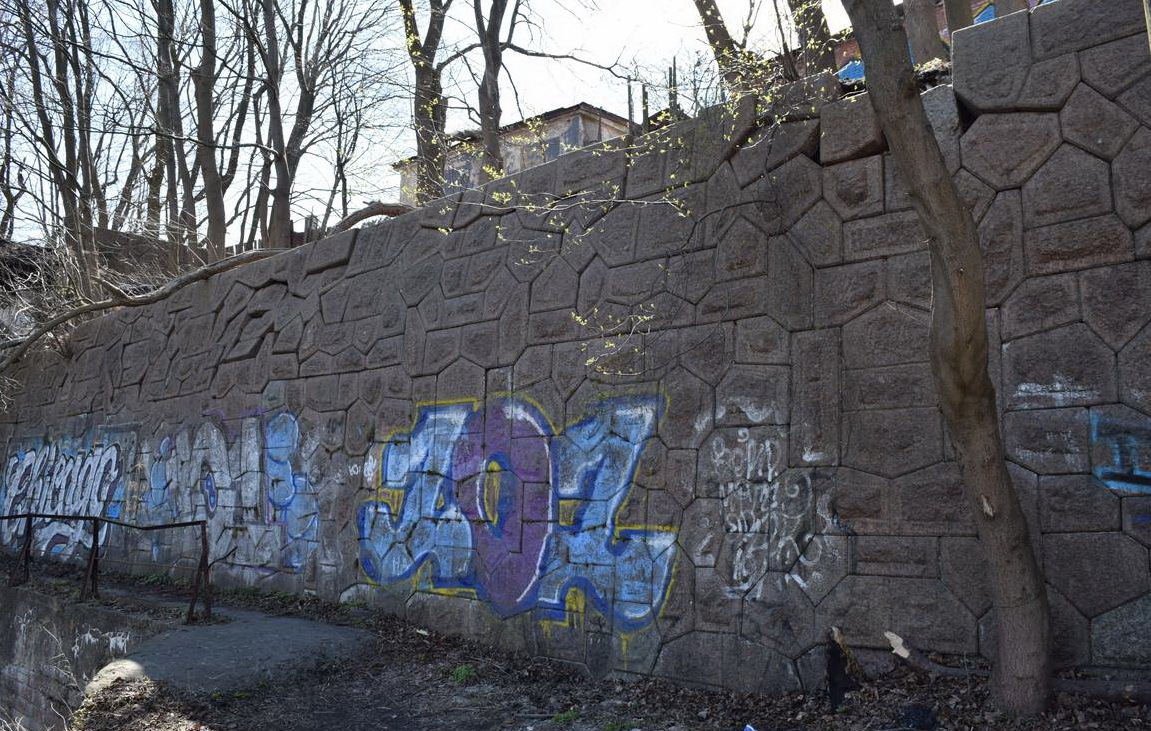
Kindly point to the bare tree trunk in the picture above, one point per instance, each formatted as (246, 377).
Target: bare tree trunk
(204, 82)
(919, 19)
(492, 159)
(429, 109)
(958, 14)
(280, 223)
(1022, 676)
(815, 48)
(729, 55)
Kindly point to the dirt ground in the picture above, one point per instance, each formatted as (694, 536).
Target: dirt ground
(413, 679)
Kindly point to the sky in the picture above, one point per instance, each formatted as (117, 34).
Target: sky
(644, 33)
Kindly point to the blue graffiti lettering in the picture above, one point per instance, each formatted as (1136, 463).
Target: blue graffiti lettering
(1121, 452)
(478, 494)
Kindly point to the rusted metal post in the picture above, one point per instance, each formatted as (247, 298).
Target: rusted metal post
(21, 572)
(202, 582)
(90, 584)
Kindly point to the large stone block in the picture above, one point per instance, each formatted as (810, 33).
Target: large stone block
(1120, 637)
(932, 500)
(1097, 572)
(886, 235)
(1049, 83)
(776, 614)
(1117, 301)
(964, 571)
(889, 387)
(896, 556)
(887, 335)
(789, 285)
(1074, 245)
(1135, 372)
(855, 188)
(1069, 366)
(741, 251)
(1113, 67)
(1076, 503)
(815, 398)
(842, 293)
(1131, 173)
(892, 443)
(1050, 441)
(761, 340)
(771, 146)
(990, 62)
(1058, 28)
(1004, 150)
(789, 191)
(909, 279)
(753, 395)
(819, 234)
(1095, 124)
(849, 129)
(922, 611)
(1071, 184)
(1041, 303)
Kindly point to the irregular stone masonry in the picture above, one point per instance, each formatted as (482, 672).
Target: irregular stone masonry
(664, 407)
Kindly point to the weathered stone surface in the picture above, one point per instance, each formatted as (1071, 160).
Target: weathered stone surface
(778, 615)
(1112, 67)
(1076, 503)
(909, 279)
(922, 611)
(790, 190)
(819, 235)
(849, 129)
(964, 571)
(789, 285)
(761, 340)
(1137, 518)
(741, 252)
(1049, 83)
(886, 235)
(1143, 242)
(330, 252)
(1135, 371)
(855, 188)
(990, 62)
(815, 404)
(1004, 150)
(1117, 301)
(1069, 366)
(892, 443)
(859, 500)
(1074, 245)
(1097, 572)
(690, 412)
(889, 387)
(943, 116)
(1071, 184)
(932, 500)
(975, 193)
(770, 147)
(887, 335)
(1095, 124)
(1132, 180)
(1120, 637)
(896, 556)
(842, 293)
(1041, 303)
(1049, 442)
(753, 395)
(699, 538)
(1057, 29)
(1070, 634)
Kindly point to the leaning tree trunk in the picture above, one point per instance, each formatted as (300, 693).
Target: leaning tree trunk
(959, 14)
(919, 16)
(1022, 676)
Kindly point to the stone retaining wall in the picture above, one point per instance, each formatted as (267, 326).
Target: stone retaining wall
(664, 407)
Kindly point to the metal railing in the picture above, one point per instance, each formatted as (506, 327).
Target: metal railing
(201, 584)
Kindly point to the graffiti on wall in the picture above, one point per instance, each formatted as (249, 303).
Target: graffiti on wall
(255, 480)
(491, 498)
(1121, 452)
(772, 519)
